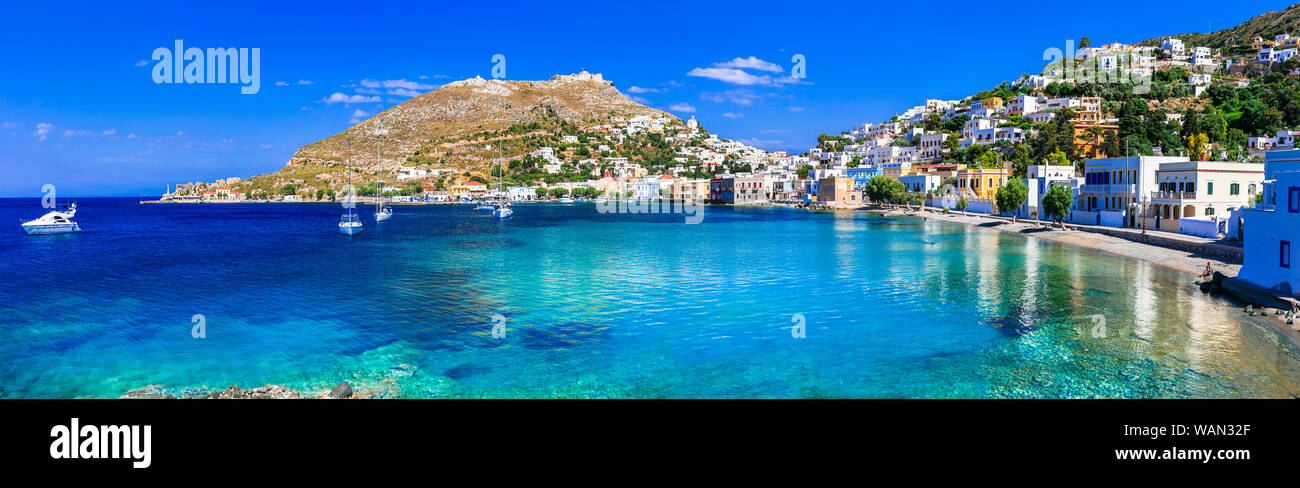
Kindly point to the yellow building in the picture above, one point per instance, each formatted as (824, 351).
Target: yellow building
(983, 182)
(897, 170)
(838, 192)
(991, 102)
(471, 189)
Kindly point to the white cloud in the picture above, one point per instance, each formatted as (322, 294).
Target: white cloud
(751, 63)
(742, 97)
(766, 144)
(132, 136)
(264, 146)
(9, 125)
(403, 87)
(731, 75)
(733, 115)
(43, 130)
(77, 133)
(640, 100)
(403, 92)
(180, 132)
(337, 97)
(682, 107)
(796, 109)
(281, 83)
(360, 114)
(109, 132)
(402, 83)
(141, 63)
(637, 89)
(306, 82)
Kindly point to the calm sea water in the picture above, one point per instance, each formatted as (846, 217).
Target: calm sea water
(602, 306)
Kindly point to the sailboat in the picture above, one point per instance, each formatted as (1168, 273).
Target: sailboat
(382, 213)
(350, 224)
(502, 210)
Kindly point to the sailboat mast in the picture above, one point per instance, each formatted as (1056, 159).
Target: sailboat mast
(350, 191)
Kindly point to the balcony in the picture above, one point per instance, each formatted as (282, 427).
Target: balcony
(1106, 189)
(1173, 195)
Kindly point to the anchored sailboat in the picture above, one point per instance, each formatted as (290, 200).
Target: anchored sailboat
(382, 213)
(502, 210)
(350, 224)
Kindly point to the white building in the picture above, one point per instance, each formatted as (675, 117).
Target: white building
(1201, 56)
(920, 183)
(521, 193)
(1191, 191)
(1271, 227)
(1039, 179)
(1174, 46)
(407, 173)
(1114, 189)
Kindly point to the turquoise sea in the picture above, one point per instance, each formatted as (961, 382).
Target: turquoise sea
(603, 305)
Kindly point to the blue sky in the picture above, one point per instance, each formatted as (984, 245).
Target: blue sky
(78, 108)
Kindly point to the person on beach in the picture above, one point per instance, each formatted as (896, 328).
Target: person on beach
(1209, 270)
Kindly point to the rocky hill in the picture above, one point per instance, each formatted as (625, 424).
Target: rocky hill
(450, 125)
(1265, 25)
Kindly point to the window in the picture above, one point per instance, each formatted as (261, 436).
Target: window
(1234, 189)
(1284, 258)
(1293, 199)
(1250, 190)
(1209, 188)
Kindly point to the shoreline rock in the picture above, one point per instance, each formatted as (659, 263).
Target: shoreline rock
(234, 392)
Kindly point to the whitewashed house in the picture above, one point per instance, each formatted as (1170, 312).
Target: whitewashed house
(1190, 196)
(1039, 179)
(1271, 228)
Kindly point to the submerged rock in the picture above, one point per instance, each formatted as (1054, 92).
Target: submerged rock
(150, 392)
(276, 392)
(344, 390)
(234, 392)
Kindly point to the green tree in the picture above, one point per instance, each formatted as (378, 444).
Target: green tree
(1056, 203)
(541, 192)
(880, 189)
(962, 205)
(1011, 196)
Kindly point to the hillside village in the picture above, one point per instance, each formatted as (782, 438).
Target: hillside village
(1134, 135)
(1133, 132)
